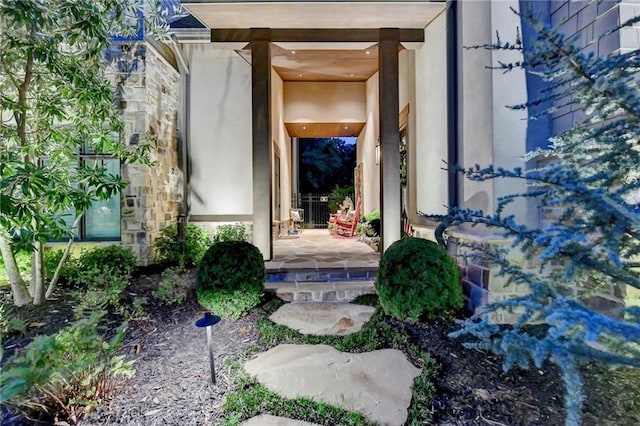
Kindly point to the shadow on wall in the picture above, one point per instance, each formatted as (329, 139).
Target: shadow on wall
(479, 201)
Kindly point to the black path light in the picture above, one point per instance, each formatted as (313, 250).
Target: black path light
(208, 321)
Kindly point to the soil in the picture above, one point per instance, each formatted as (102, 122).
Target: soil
(172, 384)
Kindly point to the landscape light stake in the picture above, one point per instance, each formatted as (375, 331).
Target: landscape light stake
(208, 321)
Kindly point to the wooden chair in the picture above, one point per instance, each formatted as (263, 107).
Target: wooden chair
(346, 226)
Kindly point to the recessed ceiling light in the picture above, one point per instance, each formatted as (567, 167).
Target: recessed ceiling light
(367, 52)
(346, 127)
(304, 127)
(299, 75)
(293, 52)
(350, 75)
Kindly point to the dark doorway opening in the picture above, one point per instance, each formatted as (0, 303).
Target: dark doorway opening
(326, 177)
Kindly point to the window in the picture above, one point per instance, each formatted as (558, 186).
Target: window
(101, 221)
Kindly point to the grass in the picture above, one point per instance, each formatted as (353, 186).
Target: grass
(250, 398)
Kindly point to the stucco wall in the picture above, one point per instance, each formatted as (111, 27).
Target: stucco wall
(324, 102)
(509, 126)
(220, 132)
(431, 119)
(475, 93)
(407, 99)
(489, 133)
(151, 200)
(406, 93)
(282, 143)
(366, 149)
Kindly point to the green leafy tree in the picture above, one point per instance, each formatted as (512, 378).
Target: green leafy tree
(326, 163)
(589, 174)
(56, 100)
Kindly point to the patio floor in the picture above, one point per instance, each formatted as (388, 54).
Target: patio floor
(317, 249)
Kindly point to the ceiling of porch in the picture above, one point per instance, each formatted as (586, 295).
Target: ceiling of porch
(301, 62)
(323, 62)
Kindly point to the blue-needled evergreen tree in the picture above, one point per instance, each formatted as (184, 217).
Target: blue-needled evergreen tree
(590, 175)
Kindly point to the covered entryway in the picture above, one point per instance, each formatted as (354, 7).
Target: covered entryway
(266, 32)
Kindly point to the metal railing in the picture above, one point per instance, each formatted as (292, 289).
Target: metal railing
(317, 207)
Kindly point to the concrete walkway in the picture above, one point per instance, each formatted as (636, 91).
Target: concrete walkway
(376, 384)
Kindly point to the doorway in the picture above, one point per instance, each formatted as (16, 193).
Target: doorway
(326, 170)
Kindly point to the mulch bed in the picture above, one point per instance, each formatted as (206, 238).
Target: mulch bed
(172, 383)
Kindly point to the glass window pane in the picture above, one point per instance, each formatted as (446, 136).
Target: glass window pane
(103, 217)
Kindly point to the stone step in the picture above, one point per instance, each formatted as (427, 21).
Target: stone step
(323, 275)
(337, 291)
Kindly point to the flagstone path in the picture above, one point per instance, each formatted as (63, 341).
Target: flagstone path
(376, 384)
(323, 318)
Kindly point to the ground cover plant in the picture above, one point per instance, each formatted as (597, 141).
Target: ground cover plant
(174, 287)
(589, 174)
(59, 376)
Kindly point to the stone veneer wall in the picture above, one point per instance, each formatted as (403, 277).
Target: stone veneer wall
(587, 20)
(152, 198)
(482, 284)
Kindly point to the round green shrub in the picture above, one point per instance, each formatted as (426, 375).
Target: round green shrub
(170, 251)
(230, 278)
(418, 280)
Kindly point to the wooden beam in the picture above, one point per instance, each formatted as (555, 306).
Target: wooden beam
(261, 135)
(389, 104)
(317, 35)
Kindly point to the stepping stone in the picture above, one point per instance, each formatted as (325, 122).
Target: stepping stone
(376, 384)
(269, 420)
(323, 318)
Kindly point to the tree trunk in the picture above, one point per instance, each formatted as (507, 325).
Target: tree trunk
(37, 277)
(19, 289)
(32, 281)
(56, 276)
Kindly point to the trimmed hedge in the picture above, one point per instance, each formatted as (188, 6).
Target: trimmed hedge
(418, 280)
